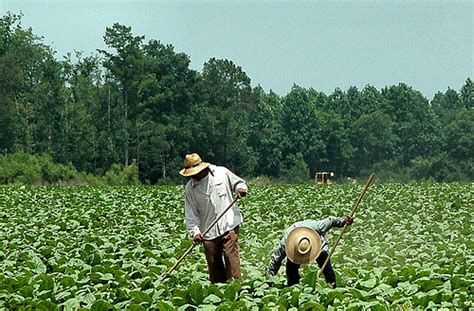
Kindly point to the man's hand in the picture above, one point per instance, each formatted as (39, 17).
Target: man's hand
(349, 220)
(197, 239)
(241, 192)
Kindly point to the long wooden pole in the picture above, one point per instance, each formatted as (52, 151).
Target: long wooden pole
(194, 244)
(354, 209)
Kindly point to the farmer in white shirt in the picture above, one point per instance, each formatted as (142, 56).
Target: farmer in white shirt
(208, 192)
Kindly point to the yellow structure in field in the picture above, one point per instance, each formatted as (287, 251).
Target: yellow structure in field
(323, 178)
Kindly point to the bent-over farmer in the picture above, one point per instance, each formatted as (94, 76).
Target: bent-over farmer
(208, 193)
(305, 242)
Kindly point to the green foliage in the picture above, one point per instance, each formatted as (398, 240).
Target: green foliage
(22, 168)
(122, 175)
(231, 100)
(296, 171)
(374, 140)
(28, 169)
(68, 248)
(139, 101)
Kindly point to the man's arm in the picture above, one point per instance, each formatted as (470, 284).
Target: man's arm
(326, 224)
(191, 216)
(276, 259)
(237, 184)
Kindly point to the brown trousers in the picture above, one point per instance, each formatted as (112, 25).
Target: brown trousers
(222, 256)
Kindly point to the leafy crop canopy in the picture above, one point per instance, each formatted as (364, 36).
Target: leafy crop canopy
(100, 248)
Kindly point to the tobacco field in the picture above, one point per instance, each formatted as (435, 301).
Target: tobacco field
(84, 248)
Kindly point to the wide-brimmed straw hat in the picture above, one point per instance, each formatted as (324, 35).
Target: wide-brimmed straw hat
(193, 165)
(303, 245)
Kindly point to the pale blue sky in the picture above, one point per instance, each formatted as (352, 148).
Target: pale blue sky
(321, 44)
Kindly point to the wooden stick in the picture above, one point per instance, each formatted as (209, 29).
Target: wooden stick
(354, 209)
(193, 245)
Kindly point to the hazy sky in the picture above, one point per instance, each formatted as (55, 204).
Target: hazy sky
(321, 44)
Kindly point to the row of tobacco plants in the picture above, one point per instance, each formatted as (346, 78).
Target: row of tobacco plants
(92, 248)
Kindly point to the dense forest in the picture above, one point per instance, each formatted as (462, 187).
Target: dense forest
(138, 104)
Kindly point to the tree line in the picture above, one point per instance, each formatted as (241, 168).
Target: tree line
(138, 102)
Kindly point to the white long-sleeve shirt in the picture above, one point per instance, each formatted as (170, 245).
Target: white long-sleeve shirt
(207, 198)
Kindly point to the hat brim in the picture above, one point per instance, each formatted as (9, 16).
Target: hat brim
(293, 238)
(186, 172)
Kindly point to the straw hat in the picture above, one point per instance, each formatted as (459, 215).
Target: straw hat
(303, 245)
(193, 165)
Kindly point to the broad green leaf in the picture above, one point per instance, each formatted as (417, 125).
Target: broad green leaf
(230, 293)
(197, 293)
(164, 305)
(46, 283)
(107, 277)
(407, 288)
(37, 265)
(67, 281)
(294, 300)
(46, 305)
(71, 304)
(88, 298)
(311, 279)
(139, 296)
(205, 307)
(136, 307)
(26, 291)
(313, 306)
(101, 305)
(368, 284)
(212, 299)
